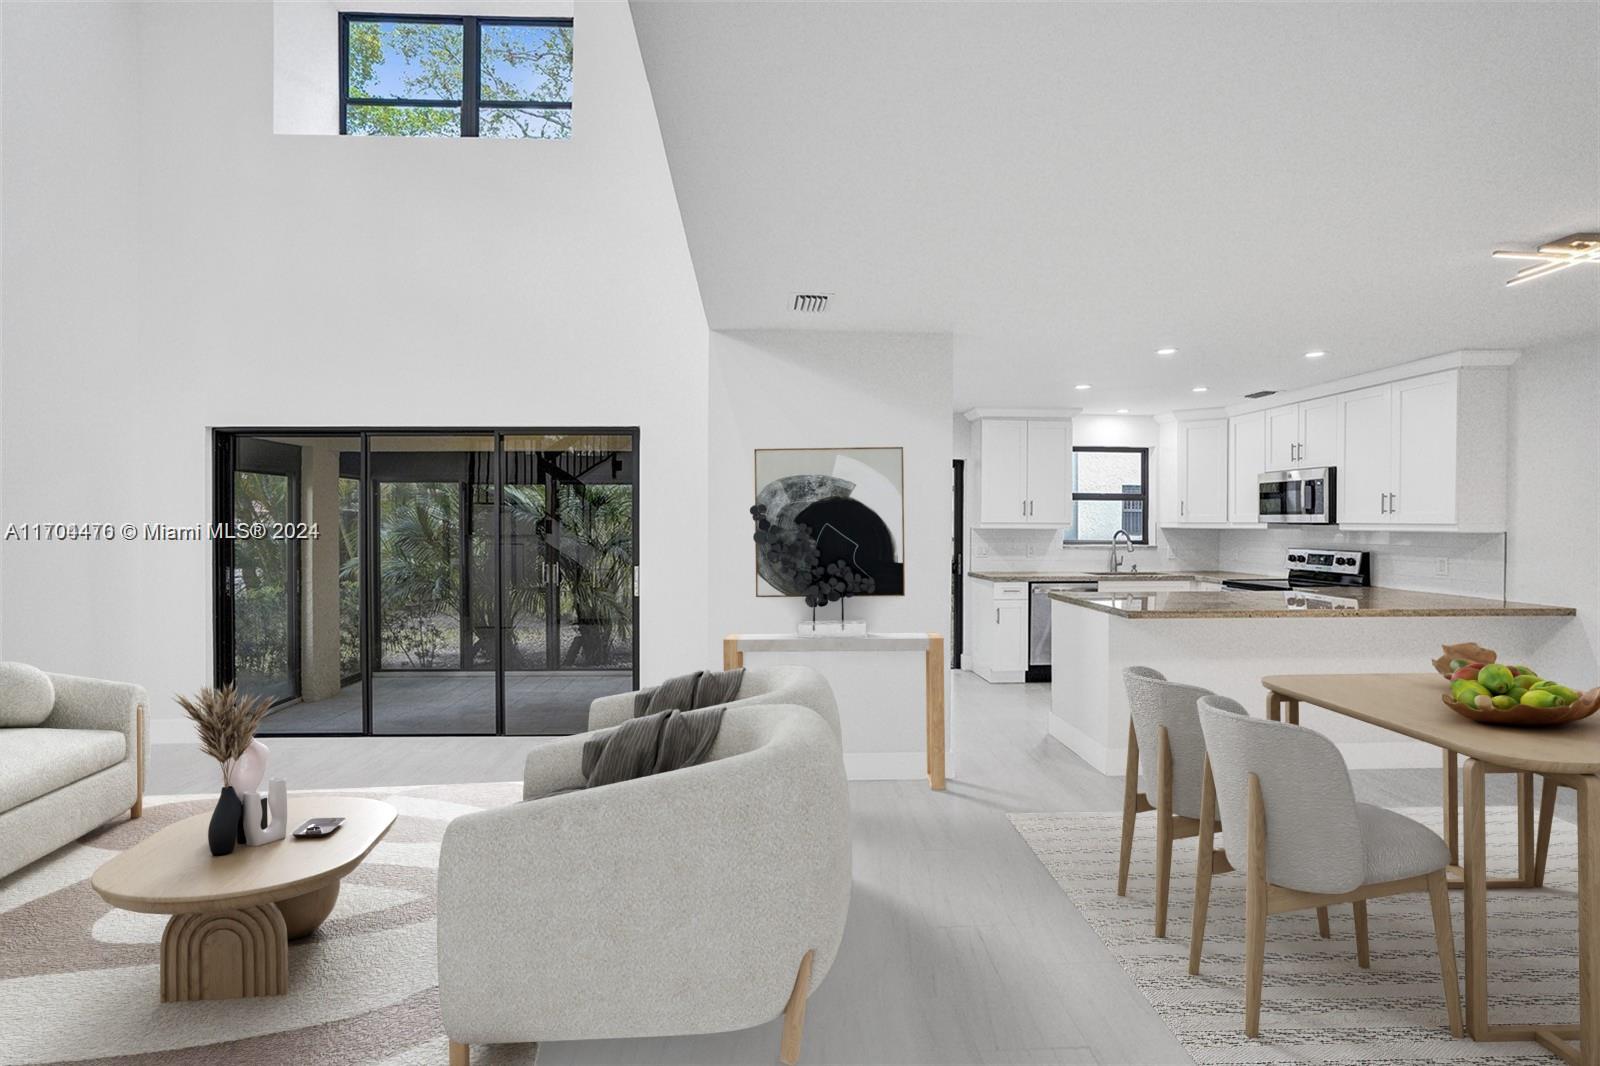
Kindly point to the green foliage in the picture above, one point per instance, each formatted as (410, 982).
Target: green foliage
(432, 54)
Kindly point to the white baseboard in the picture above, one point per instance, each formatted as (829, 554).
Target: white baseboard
(890, 765)
(1088, 749)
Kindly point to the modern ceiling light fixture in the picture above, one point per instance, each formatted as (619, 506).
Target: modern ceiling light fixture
(1556, 256)
(1080, 388)
(1315, 355)
(1199, 388)
(1166, 351)
(1122, 410)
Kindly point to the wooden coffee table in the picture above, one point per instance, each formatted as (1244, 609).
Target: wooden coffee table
(234, 915)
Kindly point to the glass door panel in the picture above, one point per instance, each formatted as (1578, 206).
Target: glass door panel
(432, 652)
(568, 556)
(296, 590)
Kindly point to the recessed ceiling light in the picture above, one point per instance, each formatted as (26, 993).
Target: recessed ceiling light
(1080, 388)
(1166, 351)
(1122, 410)
(1315, 355)
(1199, 388)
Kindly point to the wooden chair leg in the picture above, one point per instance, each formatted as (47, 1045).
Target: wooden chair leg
(1163, 829)
(794, 1014)
(1255, 909)
(1439, 899)
(138, 766)
(1363, 953)
(1323, 929)
(460, 1054)
(1130, 808)
(1204, 862)
(1547, 817)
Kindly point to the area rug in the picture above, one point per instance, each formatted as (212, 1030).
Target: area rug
(1317, 1004)
(78, 978)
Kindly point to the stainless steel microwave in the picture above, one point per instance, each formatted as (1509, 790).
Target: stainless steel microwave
(1302, 496)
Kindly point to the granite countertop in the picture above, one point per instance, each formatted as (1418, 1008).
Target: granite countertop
(1335, 603)
(1141, 575)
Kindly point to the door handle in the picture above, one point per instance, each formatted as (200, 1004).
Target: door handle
(997, 616)
(1180, 508)
(1394, 502)
(1383, 503)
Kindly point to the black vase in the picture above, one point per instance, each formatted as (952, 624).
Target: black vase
(227, 824)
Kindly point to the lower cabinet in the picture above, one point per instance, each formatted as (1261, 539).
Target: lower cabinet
(998, 629)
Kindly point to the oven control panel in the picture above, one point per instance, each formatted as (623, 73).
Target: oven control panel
(1327, 560)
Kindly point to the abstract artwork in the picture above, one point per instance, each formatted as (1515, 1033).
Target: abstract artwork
(851, 502)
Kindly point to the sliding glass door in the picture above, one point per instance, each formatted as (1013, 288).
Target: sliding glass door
(428, 582)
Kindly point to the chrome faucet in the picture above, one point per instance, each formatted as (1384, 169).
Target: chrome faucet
(1116, 560)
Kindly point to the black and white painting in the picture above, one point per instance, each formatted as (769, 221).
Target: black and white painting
(852, 502)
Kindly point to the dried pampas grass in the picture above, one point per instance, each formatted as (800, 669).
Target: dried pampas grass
(226, 722)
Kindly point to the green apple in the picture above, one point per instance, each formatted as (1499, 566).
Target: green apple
(1496, 678)
(1539, 697)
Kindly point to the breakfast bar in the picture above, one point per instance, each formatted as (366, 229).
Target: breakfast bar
(1228, 640)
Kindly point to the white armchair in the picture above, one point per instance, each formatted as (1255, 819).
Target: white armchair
(707, 899)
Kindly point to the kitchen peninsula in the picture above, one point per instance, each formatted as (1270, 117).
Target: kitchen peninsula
(1227, 640)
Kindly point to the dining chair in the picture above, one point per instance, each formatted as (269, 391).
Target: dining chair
(1308, 843)
(1164, 739)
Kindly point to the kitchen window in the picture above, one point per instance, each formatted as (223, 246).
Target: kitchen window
(1110, 492)
(438, 76)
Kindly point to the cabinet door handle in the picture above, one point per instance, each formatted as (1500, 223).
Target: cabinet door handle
(1180, 508)
(1383, 503)
(997, 616)
(1394, 502)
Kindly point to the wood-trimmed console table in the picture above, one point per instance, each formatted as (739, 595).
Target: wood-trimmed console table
(735, 645)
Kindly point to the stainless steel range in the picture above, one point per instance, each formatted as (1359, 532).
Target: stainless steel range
(1311, 569)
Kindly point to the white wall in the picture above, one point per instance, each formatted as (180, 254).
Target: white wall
(186, 268)
(820, 390)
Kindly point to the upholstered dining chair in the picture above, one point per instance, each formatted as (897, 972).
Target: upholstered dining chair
(1164, 739)
(1308, 843)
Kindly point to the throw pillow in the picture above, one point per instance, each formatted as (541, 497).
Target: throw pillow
(26, 695)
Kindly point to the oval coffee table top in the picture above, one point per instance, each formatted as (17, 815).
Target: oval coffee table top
(174, 872)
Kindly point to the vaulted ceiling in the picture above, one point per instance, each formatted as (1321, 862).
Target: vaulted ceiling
(1069, 187)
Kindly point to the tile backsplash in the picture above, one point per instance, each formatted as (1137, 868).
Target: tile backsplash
(1472, 564)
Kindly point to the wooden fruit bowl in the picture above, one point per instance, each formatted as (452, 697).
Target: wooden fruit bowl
(1521, 716)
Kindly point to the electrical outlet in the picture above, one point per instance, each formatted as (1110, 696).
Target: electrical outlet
(1441, 567)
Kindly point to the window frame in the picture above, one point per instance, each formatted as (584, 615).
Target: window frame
(471, 102)
(1143, 497)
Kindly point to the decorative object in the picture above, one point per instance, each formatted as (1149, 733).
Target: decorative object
(266, 818)
(249, 769)
(226, 723)
(821, 506)
(1460, 662)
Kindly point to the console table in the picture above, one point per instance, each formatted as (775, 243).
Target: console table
(931, 645)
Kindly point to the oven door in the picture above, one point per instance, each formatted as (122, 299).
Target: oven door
(1303, 497)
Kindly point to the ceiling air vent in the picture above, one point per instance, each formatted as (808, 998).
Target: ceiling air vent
(1261, 394)
(811, 303)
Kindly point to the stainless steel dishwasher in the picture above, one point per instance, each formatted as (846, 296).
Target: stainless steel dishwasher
(1039, 622)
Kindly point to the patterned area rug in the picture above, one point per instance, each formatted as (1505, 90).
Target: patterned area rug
(1317, 1004)
(78, 978)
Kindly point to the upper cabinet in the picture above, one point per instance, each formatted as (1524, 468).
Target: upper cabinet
(1421, 446)
(1247, 459)
(1302, 434)
(1024, 470)
(1195, 478)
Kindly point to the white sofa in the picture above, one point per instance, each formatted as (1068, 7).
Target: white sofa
(707, 899)
(70, 762)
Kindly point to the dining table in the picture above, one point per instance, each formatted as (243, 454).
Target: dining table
(1563, 756)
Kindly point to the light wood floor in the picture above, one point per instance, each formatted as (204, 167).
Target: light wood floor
(959, 948)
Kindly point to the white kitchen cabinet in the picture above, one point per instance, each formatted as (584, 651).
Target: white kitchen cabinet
(1366, 422)
(1049, 473)
(1400, 461)
(1247, 459)
(1203, 471)
(1303, 434)
(1024, 470)
(1003, 474)
(998, 629)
